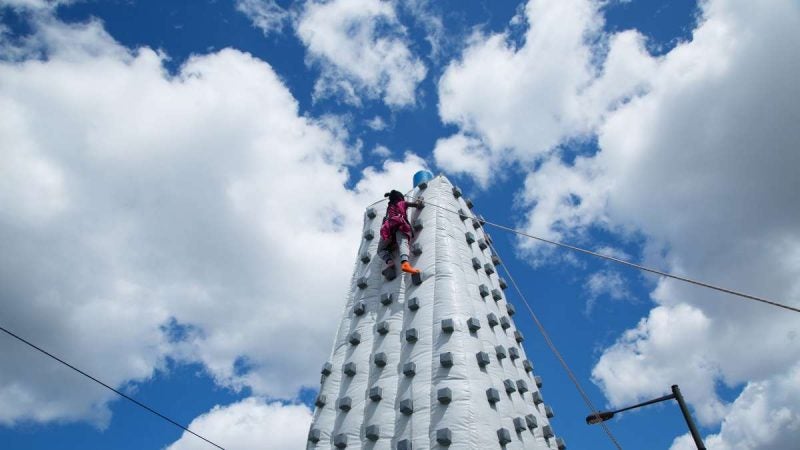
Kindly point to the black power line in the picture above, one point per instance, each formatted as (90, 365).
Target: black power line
(127, 397)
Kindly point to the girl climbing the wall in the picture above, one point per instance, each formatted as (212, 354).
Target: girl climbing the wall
(396, 230)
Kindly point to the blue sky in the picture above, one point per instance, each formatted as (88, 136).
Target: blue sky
(181, 189)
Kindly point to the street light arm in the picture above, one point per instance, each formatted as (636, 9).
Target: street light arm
(649, 402)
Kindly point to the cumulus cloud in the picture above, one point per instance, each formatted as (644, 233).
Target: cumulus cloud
(463, 154)
(697, 155)
(766, 416)
(361, 50)
(146, 216)
(251, 424)
(265, 15)
(605, 283)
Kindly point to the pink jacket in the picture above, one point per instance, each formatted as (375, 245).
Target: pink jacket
(396, 220)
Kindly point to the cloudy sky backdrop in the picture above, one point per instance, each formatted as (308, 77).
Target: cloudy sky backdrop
(182, 186)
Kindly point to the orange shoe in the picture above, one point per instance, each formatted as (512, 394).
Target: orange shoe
(407, 268)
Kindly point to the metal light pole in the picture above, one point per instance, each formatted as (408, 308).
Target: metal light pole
(676, 394)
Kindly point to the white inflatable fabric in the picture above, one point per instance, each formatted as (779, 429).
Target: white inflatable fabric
(445, 383)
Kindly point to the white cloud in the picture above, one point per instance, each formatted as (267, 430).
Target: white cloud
(251, 424)
(524, 100)
(362, 51)
(605, 283)
(463, 154)
(381, 151)
(265, 15)
(133, 201)
(766, 416)
(377, 123)
(697, 156)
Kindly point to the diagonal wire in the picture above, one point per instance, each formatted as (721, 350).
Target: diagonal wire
(106, 386)
(630, 264)
(557, 354)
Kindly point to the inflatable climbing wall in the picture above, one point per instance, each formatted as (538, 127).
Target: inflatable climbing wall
(433, 361)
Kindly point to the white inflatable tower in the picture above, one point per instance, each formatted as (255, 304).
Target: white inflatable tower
(431, 362)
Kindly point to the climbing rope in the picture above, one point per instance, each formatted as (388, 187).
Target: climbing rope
(557, 354)
(629, 264)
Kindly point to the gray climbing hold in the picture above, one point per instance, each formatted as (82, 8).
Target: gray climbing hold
(483, 290)
(314, 435)
(344, 403)
(380, 359)
(497, 295)
(492, 319)
(473, 324)
(448, 326)
(513, 353)
(372, 432)
(446, 359)
(527, 365)
(456, 192)
(407, 406)
(548, 411)
(500, 282)
(405, 444)
(444, 437)
(340, 440)
(530, 420)
(321, 400)
(413, 303)
(382, 327)
(369, 235)
(522, 386)
(505, 322)
(386, 298)
(492, 395)
(483, 359)
(412, 335)
(538, 380)
(482, 244)
(518, 336)
(503, 436)
(410, 369)
(488, 268)
(519, 424)
(327, 368)
(355, 338)
(371, 213)
(362, 283)
(444, 395)
(375, 393)
(365, 258)
(359, 308)
(547, 431)
(536, 396)
(561, 444)
(390, 273)
(511, 310)
(416, 249)
(501, 352)
(509, 386)
(470, 237)
(416, 278)
(418, 225)
(476, 263)
(349, 369)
